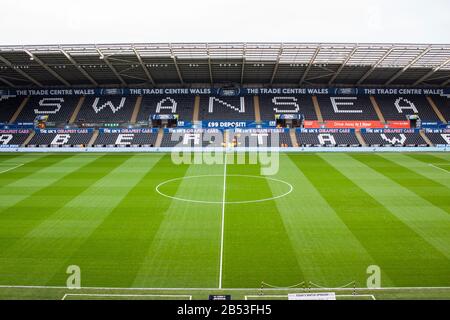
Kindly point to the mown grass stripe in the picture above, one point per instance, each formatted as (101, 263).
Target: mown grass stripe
(433, 192)
(29, 169)
(428, 165)
(185, 247)
(119, 242)
(18, 220)
(83, 217)
(444, 156)
(310, 221)
(6, 158)
(256, 245)
(40, 174)
(430, 222)
(402, 254)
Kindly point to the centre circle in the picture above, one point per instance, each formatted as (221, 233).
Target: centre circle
(210, 189)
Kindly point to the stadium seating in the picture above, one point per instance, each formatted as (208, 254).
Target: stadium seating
(126, 139)
(399, 107)
(269, 106)
(284, 139)
(13, 137)
(393, 139)
(190, 138)
(8, 106)
(107, 109)
(247, 138)
(439, 138)
(116, 109)
(261, 138)
(227, 108)
(65, 138)
(183, 105)
(443, 104)
(346, 108)
(58, 108)
(326, 138)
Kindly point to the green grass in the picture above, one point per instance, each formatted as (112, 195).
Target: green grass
(344, 213)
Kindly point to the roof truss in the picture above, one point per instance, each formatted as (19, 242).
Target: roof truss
(21, 72)
(108, 63)
(261, 62)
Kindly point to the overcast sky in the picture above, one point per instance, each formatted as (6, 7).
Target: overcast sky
(112, 21)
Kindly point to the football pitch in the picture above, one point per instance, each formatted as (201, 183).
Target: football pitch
(139, 226)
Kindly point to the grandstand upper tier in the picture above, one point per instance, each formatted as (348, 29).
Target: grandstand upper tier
(323, 108)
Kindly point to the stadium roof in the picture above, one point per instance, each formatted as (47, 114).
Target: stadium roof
(261, 64)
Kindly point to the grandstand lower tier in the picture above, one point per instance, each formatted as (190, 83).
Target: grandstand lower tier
(216, 138)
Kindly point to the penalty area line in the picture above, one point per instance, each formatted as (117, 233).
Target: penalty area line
(371, 296)
(442, 169)
(111, 295)
(15, 167)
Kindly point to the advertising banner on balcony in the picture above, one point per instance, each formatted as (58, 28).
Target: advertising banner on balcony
(62, 131)
(369, 130)
(325, 130)
(398, 124)
(134, 130)
(311, 124)
(433, 125)
(428, 130)
(354, 124)
(223, 92)
(191, 130)
(13, 131)
(237, 124)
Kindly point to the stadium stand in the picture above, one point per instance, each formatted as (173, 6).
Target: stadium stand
(261, 138)
(107, 109)
(441, 138)
(192, 138)
(59, 109)
(443, 104)
(225, 90)
(183, 105)
(346, 108)
(327, 138)
(147, 139)
(61, 138)
(246, 138)
(227, 108)
(8, 106)
(13, 137)
(272, 105)
(399, 107)
(393, 138)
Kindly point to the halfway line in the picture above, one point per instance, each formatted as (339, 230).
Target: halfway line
(223, 219)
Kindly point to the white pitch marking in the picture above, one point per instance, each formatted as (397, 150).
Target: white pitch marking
(357, 295)
(15, 167)
(291, 188)
(125, 295)
(227, 289)
(267, 296)
(432, 165)
(223, 220)
(285, 296)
